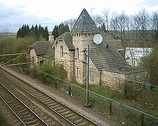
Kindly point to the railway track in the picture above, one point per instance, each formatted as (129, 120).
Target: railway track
(25, 115)
(68, 116)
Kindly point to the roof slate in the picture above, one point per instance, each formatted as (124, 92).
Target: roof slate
(68, 40)
(84, 24)
(106, 55)
(42, 48)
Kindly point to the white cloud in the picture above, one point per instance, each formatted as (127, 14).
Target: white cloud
(14, 13)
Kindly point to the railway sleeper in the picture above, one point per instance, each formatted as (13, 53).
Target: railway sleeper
(85, 123)
(45, 99)
(72, 118)
(63, 110)
(33, 121)
(79, 120)
(24, 112)
(52, 104)
(59, 108)
(66, 112)
(28, 115)
(55, 106)
(69, 115)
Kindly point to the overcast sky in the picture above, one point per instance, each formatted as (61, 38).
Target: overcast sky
(15, 13)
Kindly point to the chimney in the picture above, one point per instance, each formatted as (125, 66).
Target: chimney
(51, 38)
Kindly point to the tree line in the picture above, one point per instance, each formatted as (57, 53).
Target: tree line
(38, 32)
(41, 33)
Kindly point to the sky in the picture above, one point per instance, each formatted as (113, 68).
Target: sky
(15, 13)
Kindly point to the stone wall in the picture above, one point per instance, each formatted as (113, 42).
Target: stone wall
(113, 80)
(80, 41)
(116, 81)
(137, 75)
(64, 60)
(75, 64)
(33, 57)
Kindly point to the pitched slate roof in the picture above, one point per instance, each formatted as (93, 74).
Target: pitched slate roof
(84, 24)
(42, 48)
(68, 40)
(106, 55)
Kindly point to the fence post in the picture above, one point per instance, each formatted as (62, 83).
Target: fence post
(56, 83)
(69, 90)
(142, 120)
(110, 109)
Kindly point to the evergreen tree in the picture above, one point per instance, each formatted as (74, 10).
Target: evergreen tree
(45, 33)
(59, 30)
(23, 31)
(38, 32)
(67, 28)
(55, 32)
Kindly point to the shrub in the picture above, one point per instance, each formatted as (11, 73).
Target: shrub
(47, 72)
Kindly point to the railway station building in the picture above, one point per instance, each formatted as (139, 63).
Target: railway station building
(106, 64)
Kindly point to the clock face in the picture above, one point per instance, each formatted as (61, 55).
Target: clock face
(97, 39)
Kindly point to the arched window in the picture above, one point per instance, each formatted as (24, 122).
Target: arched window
(77, 53)
(61, 51)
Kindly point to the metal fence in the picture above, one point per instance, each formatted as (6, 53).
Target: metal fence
(141, 91)
(120, 113)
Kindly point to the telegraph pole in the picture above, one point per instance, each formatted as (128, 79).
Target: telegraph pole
(87, 78)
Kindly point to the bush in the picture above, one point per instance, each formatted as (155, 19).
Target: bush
(46, 72)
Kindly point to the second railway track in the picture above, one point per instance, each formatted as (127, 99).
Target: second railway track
(25, 115)
(68, 116)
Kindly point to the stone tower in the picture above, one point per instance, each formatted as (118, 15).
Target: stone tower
(82, 34)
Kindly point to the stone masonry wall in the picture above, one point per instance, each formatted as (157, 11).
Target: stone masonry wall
(66, 60)
(114, 81)
(81, 41)
(33, 57)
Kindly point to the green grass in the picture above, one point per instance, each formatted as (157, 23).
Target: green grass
(104, 92)
(154, 109)
(117, 97)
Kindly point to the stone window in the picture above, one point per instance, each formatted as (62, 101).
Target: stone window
(92, 75)
(61, 51)
(77, 53)
(77, 72)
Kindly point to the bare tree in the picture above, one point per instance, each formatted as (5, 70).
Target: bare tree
(70, 23)
(114, 24)
(141, 22)
(98, 20)
(155, 21)
(106, 13)
(123, 23)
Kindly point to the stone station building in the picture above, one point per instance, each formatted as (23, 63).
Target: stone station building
(107, 66)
